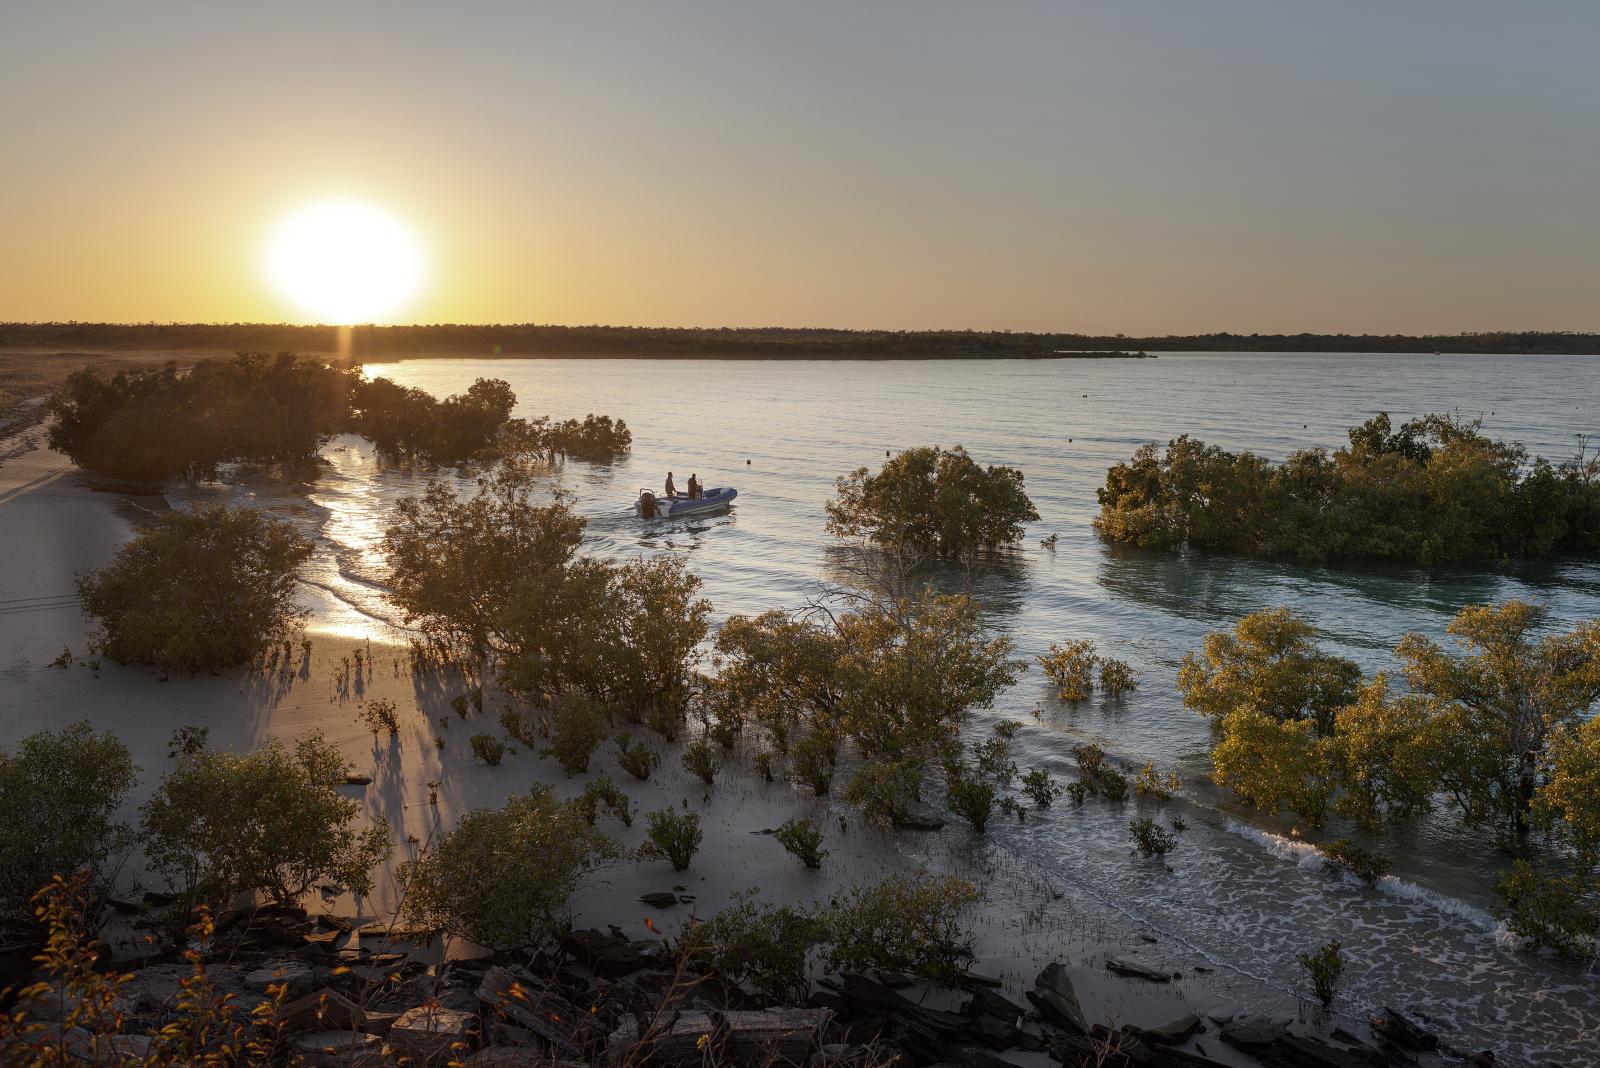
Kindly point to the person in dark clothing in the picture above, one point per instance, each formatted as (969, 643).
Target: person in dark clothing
(672, 491)
(695, 489)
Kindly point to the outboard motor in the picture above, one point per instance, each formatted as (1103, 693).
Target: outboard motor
(647, 504)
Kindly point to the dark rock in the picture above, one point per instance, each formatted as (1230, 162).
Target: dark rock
(987, 1002)
(324, 1010)
(124, 906)
(358, 780)
(1254, 1034)
(557, 1021)
(1057, 1002)
(761, 1036)
(430, 1034)
(1174, 1032)
(324, 940)
(338, 1049)
(335, 923)
(606, 954)
(156, 899)
(1484, 1059)
(1403, 1032)
(659, 899)
(973, 980)
(1303, 1051)
(1134, 970)
(920, 818)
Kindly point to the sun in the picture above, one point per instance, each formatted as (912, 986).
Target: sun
(345, 261)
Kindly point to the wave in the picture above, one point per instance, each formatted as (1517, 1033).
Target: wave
(1308, 857)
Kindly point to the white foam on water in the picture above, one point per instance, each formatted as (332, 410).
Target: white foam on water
(1308, 857)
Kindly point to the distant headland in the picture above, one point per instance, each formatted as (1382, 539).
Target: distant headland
(769, 343)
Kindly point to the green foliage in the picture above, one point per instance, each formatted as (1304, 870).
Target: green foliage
(597, 438)
(1569, 801)
(746, 943)
(578, 728)
(1496, 706)
(273, 820)
(700, 760)
(162, 422)
(1387, 752)
(1151, 783)
(912, 926)
(992, 759)
(885, 790)
(812, 761)
(1096, 775)
(1007, 729)
(1149, 838)
(1041, 789)
(1269, 663)
(1274, 764)
(1436, 491)
(604, 792)
(1344, 855)
(488, 748)
(972, 799)
(200, 588)
(380, 714)
(60, 792)
(803, 840)
(897, 677)
(672, 836)
(1071, 667)
(636, 758)
(502, 878)
(523, 728)
(763, 762)
(408, 422)
(1117, 677)
(932, 501)
(1324, 967)
(1558, 911)
(498, 576)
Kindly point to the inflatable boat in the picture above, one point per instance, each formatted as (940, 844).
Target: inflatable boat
(652, 506)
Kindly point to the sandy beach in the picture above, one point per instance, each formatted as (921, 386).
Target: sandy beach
(55, 522)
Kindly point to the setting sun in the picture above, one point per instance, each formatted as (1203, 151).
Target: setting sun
(345, 261)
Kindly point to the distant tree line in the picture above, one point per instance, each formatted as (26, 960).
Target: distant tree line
(1436, 491)
(169, 422)
(536, 339)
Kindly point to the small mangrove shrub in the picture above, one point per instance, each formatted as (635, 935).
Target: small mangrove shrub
(1150, 839)
(972, 800)
(1070, 666)
(636, 758)
(1324, 967)
(912, 926)
(673, 836)
(812, 760)
(1041, 789)
(488, 748)
(803, 840)
(522, 728)
(604, 792)
(381, 714)
(700, 760)
(1151, 783)
(766, 946)
(579, 726)
(1116, 677)
(1345, 856)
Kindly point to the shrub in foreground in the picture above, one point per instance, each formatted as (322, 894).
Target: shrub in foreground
(488, 748)
(803, 840)
(273, 820)
(746, 942)
(1324, 967)
(206, 587)
(1071, 667)
(673, 836)
(1341, 854)
(1561, 911)
(60, 792)
(1150, 839)
(911, 925)
(502, 878)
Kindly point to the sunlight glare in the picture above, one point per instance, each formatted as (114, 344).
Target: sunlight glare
(345, 261)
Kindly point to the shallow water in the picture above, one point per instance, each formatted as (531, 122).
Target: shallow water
(1242, 889)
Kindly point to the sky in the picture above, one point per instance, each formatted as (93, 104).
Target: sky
(1130, 166)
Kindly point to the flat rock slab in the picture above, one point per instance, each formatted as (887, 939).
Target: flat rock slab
(1057, 1001)
(430, 1034)
(1134, 970)
(323, 1010)
(334, 1049)
(1173, 1032)
(294, 975)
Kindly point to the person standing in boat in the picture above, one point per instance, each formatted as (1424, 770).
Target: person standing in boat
(672, 491)
(695, 489)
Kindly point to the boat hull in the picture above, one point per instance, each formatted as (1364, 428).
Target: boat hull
(711, 500)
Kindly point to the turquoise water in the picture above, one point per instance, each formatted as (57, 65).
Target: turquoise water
(1242, 889)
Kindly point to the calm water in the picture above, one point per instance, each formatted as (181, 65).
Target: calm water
(1243, 891)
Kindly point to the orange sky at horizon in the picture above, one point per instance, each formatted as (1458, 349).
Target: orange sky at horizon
(1144, 170)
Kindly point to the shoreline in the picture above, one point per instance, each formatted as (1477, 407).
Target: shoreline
(1027, 921)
